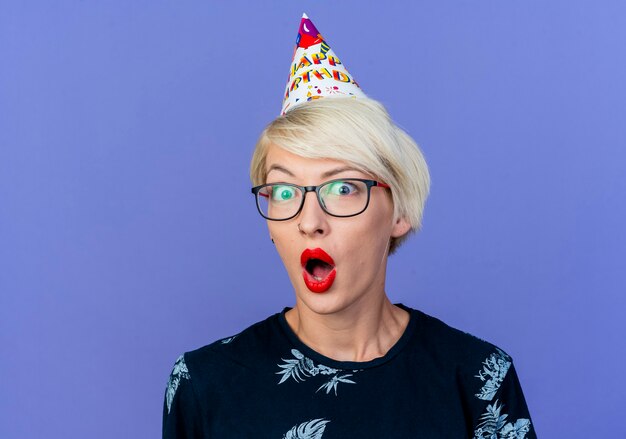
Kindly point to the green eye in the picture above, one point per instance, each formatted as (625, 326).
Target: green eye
(341, 188)
(283, 193)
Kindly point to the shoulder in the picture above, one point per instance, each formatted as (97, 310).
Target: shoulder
(454, 346)
(479, 368)
(243, 349)
(484, 376)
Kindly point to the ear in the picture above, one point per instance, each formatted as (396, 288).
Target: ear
(400, 227)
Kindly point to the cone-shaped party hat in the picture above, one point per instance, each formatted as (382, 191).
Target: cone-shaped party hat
(316, 71)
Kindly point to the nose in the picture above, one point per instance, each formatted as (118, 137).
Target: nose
(312, 219)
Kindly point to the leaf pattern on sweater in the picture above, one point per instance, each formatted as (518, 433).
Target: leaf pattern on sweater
(300, 368)
(179, 372)
(494, 425)
(492, 374)
(313, 429)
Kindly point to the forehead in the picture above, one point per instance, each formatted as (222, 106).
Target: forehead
(281, 162)
(277, 155)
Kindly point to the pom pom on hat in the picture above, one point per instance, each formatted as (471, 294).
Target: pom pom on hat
(316, 72)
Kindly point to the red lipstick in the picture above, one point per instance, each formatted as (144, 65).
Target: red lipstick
(318, 270)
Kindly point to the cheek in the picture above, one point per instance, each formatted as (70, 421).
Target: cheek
(364, 244)
(374, 226)
(284, 243)
(277, 230)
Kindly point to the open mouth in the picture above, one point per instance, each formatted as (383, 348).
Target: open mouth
(318, 270)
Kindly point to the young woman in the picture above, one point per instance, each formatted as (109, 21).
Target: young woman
(341, 186)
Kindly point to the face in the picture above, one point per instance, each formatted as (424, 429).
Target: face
(357, 246)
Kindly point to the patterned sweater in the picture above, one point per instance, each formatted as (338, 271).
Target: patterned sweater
(435, 382)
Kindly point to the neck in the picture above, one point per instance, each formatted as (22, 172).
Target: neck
(361, 332)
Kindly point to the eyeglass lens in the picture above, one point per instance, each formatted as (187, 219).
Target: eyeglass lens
(338, 197)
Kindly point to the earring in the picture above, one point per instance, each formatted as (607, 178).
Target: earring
(272, 240)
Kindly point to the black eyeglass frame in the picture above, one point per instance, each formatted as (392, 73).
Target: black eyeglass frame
(305, 189)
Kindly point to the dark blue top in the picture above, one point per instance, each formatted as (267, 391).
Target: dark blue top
(435, 382)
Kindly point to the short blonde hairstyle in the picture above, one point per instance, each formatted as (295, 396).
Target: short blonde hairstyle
(361, 133)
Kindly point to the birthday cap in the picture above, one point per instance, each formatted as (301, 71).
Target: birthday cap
(316, 71)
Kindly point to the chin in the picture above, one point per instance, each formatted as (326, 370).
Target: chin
(330, 302)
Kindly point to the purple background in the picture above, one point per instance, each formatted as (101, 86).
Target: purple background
(123, 123)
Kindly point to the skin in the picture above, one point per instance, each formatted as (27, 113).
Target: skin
(354, 320)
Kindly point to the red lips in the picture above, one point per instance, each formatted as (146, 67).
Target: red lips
(318, 270)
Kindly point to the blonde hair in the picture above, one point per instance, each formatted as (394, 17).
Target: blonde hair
(361, 133)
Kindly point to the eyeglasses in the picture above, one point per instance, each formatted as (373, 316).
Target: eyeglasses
(341, 198)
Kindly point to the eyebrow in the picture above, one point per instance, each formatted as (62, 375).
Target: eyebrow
(279, 168)
(324, 175)
(338, 171)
